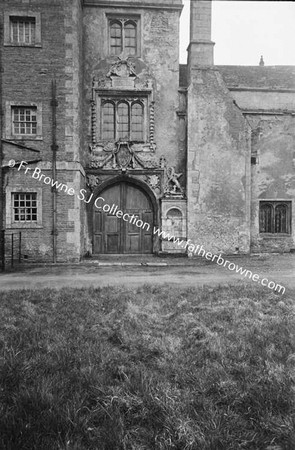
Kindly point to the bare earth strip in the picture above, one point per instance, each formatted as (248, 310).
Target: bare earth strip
(278, 268)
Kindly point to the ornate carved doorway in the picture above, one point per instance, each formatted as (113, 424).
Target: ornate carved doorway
(115, 235)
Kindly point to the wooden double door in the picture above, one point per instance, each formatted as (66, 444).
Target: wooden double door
(113, 235)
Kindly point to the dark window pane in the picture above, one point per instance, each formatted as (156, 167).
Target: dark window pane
(108, 121)
(116, 38)
(265, 218)
(137, 122)
(23, 30)
(281, 225)
(130, 38)
(123, 120)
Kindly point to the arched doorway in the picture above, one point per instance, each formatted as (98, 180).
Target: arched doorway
(112, 234)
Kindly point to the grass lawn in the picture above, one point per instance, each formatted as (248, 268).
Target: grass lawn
(151, 368)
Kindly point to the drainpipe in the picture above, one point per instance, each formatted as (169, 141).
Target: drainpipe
(54, 148)
(2, 244)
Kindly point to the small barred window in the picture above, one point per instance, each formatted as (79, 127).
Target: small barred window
(23, 30)
(24, 120)
(24, 207)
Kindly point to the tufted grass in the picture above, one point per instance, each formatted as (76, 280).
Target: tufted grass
(151, 368)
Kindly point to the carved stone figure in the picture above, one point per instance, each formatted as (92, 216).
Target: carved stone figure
(153, 181)
(93, 181)
(172, 185)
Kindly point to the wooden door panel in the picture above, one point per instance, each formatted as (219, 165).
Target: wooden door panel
(112, 243)
(113, 235)
(97, 222)
(136, 199)
(132, 244)
(98, 235)
(147, 244)
(97, 244)
(112, 224)
(112, 195)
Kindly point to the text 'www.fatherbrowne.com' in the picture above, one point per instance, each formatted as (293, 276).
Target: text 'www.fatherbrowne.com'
(99, 203)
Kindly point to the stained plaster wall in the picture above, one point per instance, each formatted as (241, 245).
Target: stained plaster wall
(273, 143)
(273, 176)
(218, 169)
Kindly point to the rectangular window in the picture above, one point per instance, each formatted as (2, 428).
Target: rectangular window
(275, 217)
(23, 30)
(24, 207)
(24, 120)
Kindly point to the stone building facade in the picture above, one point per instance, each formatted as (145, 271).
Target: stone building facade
(94, 100)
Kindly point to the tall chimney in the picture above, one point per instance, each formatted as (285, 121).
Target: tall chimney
(200, 50)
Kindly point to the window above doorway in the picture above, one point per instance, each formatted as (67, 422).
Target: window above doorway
(123, 119)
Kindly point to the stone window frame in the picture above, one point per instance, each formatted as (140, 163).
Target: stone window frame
(131, 99)
(10, 224)
(124, 18)
(274, 204)
(9, 125)
(25, 14)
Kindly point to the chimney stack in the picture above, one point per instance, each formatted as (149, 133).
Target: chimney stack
(200, 50)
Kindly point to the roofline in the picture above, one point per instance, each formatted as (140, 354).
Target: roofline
(259, 89)
(138, 4)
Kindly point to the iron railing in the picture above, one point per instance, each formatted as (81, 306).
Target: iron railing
(10, 249)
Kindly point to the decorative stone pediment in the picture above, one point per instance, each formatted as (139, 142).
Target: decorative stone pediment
(122, 75)
(122, 68)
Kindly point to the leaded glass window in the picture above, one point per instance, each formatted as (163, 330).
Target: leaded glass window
(116, 38)
(123, 119)
(123, 33)
(275, 217)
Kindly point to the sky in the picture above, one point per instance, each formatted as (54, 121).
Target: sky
(245, 30)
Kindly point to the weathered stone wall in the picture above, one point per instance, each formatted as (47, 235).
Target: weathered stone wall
(158, 59)
(272, 123)
(265, 100)
(218, 166)
(273, 176)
